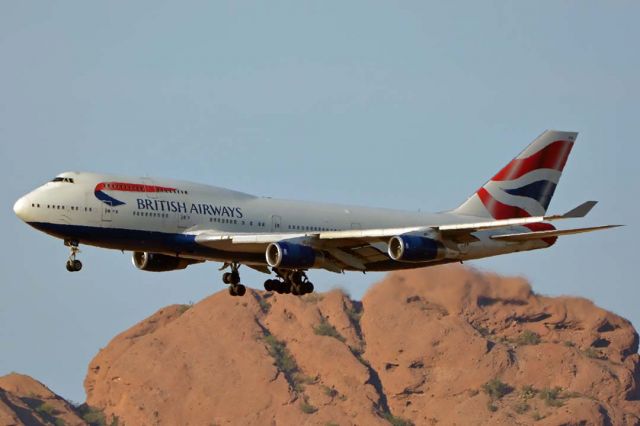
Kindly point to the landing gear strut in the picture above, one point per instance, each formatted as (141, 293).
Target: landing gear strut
(73, 264)
(294, 282)
(233, 280)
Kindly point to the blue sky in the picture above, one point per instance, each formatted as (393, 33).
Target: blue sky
(411, 105)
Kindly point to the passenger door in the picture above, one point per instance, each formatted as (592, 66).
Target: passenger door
(106, 214)
(275, 223)
(184, 220)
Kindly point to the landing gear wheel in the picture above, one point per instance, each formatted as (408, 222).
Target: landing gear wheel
(237, 290)
(73, 265)
(269, 286)
(233, 277)
(290, 281)
(307, 287)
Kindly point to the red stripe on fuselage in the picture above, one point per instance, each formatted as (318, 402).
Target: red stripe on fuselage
(553, 156)
(131, 187)
(499, 210)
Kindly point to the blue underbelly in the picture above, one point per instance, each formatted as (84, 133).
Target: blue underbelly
(137, 240)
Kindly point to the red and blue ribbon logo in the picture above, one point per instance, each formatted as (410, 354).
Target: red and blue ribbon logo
(102, 187)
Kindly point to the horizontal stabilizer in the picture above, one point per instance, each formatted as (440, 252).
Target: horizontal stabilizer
(538, 235)
(581, 211)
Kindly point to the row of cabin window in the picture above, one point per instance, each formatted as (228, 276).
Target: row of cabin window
(234, 221)
(211, 219)
(58, 207)
(184, 217)
(225, 220)
(150, 214)
(310, 228)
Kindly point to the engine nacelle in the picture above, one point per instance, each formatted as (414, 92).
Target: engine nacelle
(414, 248)
(155, 262)
(292, 256)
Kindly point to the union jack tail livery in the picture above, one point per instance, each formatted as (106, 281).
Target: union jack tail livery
(524, 187)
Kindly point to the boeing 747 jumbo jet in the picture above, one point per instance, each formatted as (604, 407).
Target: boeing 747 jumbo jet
(170, 224)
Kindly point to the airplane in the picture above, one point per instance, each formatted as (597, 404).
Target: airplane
(171, 224)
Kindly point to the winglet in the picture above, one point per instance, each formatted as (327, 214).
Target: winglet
(581, 211)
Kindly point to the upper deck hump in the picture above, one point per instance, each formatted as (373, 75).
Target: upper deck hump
(187, 186)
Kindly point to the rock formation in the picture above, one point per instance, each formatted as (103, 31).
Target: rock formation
(445, 345)
(25, 401)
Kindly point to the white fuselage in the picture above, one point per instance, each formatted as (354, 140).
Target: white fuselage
(164, 216)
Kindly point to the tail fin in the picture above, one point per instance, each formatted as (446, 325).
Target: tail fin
(524, 187)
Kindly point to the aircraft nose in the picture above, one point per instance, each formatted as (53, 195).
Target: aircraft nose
(20, 207)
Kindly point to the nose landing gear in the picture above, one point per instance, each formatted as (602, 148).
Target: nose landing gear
(73, 264)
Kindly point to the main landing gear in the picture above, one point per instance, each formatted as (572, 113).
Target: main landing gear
(73, 264)
(294, 282)
(288, 282)
(233, 279)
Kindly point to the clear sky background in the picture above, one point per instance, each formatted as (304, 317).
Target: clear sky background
(410, 105)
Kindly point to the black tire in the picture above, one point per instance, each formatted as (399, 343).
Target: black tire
(77, 265)
(268, 286)
(226, 278)
(69, 266)
(296, 290)
(307, 287)
(278, 286)
(286, 287)
(234, 278)
(240, 290)
(232, 290)
(296, 277)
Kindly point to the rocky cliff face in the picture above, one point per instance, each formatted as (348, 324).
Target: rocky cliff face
(445, 345)
(25, 401)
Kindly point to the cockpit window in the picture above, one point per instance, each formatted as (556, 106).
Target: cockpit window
(62, 179)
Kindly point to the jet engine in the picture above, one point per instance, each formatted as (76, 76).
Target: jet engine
(292, 256)
(156, 262)
(414, 248)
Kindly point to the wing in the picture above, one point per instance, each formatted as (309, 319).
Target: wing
(355, 248)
